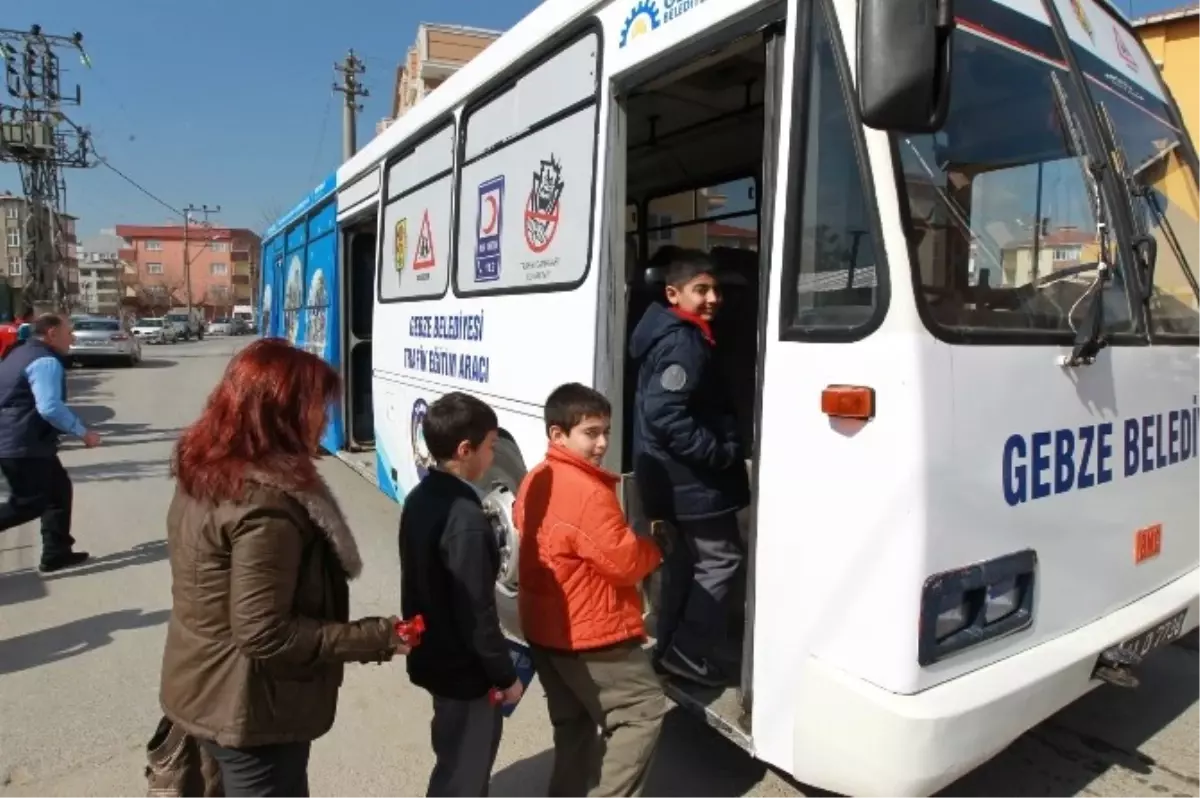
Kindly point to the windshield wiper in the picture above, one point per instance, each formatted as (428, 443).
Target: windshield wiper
(1145, 245)
(1089, 337)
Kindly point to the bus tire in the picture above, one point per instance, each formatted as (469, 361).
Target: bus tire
(499, 486)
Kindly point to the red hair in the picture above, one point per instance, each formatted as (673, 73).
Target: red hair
(266, 414)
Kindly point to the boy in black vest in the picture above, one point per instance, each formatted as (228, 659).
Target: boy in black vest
(449, 560)
(689, 466)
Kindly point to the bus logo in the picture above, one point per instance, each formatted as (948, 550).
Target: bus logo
(423, 259)
(641, 20)
(1123, 50)
(542, 207)
(488, 227)
(401, 247)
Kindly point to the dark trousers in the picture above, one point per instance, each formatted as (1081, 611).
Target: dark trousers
(40, 488)
(265, 770)
(606, 707)
(697, 578)
(466, 737)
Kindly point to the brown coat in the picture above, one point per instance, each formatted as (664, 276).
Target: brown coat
(258, 632)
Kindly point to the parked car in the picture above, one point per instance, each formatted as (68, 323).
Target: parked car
(104, 340)
(222, 325)
(187, 327)
(155, 331)
(240, 327)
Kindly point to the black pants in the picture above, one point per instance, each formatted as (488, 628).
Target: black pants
(466, 737)
(697, 577)
(40, 488)
(265, 770)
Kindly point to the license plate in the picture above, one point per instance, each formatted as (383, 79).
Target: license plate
(91, 343)
(1157, 636)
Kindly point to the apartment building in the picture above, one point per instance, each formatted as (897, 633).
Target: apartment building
(439, 52)
(14, 211)
(101, 288)
(1173, 40)
(219, 265)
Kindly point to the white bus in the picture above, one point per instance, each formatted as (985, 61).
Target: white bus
(961, 324)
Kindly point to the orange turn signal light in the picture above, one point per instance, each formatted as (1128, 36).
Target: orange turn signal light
(848, 401)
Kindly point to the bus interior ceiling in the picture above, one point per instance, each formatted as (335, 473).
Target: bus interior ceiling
(358, 242)
(695, 140)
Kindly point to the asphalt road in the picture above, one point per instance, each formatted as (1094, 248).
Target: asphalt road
(80, 651)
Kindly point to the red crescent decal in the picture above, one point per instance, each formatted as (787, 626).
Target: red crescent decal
(490, 227)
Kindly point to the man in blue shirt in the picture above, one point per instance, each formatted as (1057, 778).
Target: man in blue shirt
(33, 413)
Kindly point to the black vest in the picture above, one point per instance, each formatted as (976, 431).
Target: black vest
(23, 431)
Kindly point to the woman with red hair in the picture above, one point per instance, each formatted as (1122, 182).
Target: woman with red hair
(260, 561)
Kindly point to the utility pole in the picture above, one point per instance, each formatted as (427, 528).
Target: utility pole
(36, 135)
(348, 71)
(187, 255)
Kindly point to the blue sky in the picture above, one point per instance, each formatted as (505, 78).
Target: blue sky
(225, 102)
(229, 103)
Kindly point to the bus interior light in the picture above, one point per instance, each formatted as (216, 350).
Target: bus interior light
(967, 606)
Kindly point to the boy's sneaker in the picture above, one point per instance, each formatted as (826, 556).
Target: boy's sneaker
(701, 670)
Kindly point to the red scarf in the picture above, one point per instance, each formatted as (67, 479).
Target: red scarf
(705, 327)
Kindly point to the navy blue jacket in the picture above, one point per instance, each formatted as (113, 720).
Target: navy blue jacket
(688, 461)
(23, 431)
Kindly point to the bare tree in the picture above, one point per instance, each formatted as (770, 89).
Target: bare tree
(158, 298)
(219, 298)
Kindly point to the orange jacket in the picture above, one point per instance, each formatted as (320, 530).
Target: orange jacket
(580, 563)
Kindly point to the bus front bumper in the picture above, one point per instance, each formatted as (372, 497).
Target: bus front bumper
(883, 743)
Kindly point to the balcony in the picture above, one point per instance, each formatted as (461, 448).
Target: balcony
(242, 293)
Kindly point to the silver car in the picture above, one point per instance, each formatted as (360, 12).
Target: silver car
(221, 326)
(155, 331)
(104, 340)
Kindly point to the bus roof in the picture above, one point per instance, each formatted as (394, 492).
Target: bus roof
(519, 41)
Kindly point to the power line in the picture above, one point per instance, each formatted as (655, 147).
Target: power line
(101, 159)
(312, 171)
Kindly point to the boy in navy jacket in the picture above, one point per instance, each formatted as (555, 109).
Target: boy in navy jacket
(689, 465)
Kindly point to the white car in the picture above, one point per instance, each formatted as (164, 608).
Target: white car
(221, 326)
(155, 331)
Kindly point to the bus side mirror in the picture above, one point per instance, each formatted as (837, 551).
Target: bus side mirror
(904, 54)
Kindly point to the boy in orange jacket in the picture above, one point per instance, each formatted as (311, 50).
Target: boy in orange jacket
(581, 611)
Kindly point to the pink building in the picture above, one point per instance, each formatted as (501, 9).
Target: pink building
(222, 262)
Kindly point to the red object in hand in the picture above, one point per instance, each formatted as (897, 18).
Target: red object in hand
(496, 696)
(410, 631)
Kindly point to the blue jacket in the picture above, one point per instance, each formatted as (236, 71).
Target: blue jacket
(33, 411)
(688, 461)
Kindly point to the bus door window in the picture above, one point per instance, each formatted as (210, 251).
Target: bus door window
(722, 220)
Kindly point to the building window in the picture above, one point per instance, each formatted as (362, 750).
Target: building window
(1067, 253)
(153, 246)
(12, 212)
(154, 268)
(15, 265)
(218, 269)
(14, 238)
(218, 246)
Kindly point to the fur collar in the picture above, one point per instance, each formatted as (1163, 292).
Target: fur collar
(325, 512)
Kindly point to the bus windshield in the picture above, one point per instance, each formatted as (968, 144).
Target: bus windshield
(1148, 149)
(1002, 209)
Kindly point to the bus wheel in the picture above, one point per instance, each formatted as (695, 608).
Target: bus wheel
(499, 487)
